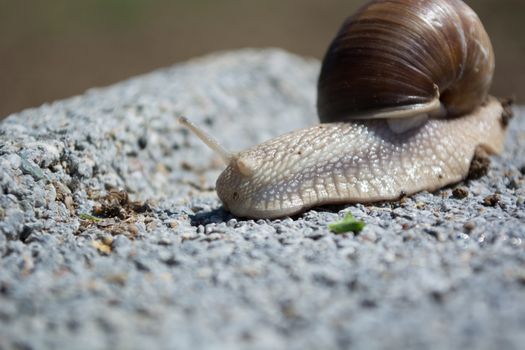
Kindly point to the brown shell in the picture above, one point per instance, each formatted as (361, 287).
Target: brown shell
(392, 54)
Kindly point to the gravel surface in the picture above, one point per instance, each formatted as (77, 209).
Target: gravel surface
(112, 237)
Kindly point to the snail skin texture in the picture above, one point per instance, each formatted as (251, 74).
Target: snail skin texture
(403, 101)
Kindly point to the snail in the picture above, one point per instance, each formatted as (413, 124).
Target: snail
(403, 103)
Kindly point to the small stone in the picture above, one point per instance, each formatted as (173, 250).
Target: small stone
(469, 226)
(121, 245)
(70, 204)
(420, 205)
(515, 183)
(189, 235)
(107, 240)
(142, 142)
(12, 225)
(101, 247)
(15, 161)
(368, 235)
(212, 237)
(438, 235)
(204, 272)
(117, 278)
(26, 232)
(30, 169)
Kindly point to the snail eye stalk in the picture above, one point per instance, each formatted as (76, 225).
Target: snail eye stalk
(210, 141)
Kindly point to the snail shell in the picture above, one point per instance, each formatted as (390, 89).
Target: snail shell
(403, 97)
(401, 56)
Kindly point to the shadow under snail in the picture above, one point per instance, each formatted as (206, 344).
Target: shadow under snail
(403, 103)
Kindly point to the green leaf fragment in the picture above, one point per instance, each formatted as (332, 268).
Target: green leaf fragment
(90, 217)
(348, 224)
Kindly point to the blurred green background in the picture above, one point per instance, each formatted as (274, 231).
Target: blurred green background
(57, 48)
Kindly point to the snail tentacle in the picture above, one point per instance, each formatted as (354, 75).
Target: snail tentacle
(210, 141)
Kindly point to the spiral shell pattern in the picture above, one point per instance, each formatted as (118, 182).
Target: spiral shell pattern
(392, 54)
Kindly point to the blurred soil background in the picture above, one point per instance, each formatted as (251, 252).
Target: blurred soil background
(57, 48)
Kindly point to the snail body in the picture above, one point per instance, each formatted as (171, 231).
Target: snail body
(288, 176)
(403, 103)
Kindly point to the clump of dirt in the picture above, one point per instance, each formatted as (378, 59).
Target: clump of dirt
(508, 113)
(480, 164)
(117, 214)
(116, 204)
(460, 192)
(492, 200)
